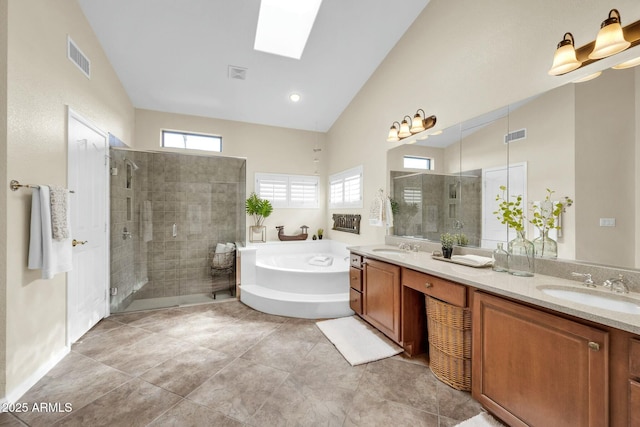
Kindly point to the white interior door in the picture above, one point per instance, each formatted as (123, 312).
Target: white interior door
(493, 231)
(88, 282)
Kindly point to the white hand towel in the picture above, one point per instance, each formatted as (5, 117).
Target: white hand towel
(388, 213)
(59, 217)
(376, 212)
(50, 255)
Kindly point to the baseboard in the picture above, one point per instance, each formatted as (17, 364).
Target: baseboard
(15, 394)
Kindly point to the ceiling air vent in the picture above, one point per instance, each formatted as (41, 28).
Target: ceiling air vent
(237, 73)
(516, 135)
(76, 56)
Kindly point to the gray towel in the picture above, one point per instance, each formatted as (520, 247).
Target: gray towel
(59, 224)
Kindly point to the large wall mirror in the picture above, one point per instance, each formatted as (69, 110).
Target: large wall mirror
(581, 140)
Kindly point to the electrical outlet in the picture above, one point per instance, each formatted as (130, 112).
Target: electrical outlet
(607, 222)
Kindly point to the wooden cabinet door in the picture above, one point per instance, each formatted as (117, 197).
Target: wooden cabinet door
(634, 403)
(381, 297)
(535, 369)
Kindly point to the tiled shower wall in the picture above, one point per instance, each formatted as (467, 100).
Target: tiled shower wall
(202, 195)
(448, 202)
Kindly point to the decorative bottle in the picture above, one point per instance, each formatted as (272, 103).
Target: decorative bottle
(545, 246)
(521, 256)
(500, 259)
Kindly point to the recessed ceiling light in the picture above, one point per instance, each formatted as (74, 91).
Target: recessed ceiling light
(284, 26)
(294, 97)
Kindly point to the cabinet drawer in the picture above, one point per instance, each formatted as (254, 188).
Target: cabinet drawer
(355, 279)
(634, 403)
(355, 260)
(634, 358)
(444, 290)
(355, 301)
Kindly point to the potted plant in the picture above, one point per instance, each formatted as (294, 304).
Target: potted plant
(320, 233)
(260, 209)
(545, 218)
(461, 239)
(447, 239)
(521, 250)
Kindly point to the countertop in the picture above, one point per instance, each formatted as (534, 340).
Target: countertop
(518, 288)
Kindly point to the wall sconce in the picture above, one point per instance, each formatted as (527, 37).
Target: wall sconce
(612, 38)
(409, 126)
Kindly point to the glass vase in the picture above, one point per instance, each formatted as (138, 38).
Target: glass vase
(500, 259)
(545, 246)
(521, 256)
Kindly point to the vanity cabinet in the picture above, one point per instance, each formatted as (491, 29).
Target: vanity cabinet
(634, 382)
(381, 297)
(533, 368)
(355, 283)
(415, 285)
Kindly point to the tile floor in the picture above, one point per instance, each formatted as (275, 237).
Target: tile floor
(224, 364)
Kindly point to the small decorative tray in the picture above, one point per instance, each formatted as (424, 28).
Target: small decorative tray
(469, 262)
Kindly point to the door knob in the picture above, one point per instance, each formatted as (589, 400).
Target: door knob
(75, 242)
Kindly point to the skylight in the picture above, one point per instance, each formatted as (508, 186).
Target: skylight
(284, 26)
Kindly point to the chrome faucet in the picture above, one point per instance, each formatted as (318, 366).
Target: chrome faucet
(617, 284)
(587, 279)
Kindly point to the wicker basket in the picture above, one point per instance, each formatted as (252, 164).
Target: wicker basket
(449, 329)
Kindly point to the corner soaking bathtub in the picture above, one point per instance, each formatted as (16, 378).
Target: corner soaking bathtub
(308, 279)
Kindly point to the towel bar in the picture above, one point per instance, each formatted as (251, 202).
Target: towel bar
(14, 185)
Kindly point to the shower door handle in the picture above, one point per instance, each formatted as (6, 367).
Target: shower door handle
(175, 230)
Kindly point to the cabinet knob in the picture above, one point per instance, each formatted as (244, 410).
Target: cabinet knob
(354, 277)
(428, 285)
(594, 346)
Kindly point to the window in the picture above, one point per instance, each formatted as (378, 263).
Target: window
(413, 162)
(191, 141)
(345, 189)
(412, 195)
(288, 191)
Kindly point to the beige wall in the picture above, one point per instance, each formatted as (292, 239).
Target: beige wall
(42, 82)
(473, 57)
(605, 154)
(267, 149)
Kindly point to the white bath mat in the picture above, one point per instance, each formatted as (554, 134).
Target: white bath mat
(357, 341)
(481, 420)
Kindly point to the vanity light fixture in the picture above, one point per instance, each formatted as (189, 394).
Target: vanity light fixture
(565, 59)
(589, 77)
(393, 132)
(627, 64)
(409, 126)
(612, 39)
(405, 131)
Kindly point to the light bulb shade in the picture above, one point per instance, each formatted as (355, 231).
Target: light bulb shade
(564, 60)
(417, 124)
(610, 38)
(589, 77)
(404, 128)
(393, 133)
(627, 64)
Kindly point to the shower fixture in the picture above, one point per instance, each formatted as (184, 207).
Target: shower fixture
(132, 163)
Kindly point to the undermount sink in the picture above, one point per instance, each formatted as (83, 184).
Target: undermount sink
(388, 251)
(612, 302)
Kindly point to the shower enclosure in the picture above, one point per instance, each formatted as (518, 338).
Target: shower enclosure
(168, 212)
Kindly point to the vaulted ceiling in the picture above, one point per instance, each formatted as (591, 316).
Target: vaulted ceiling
(174, 56)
